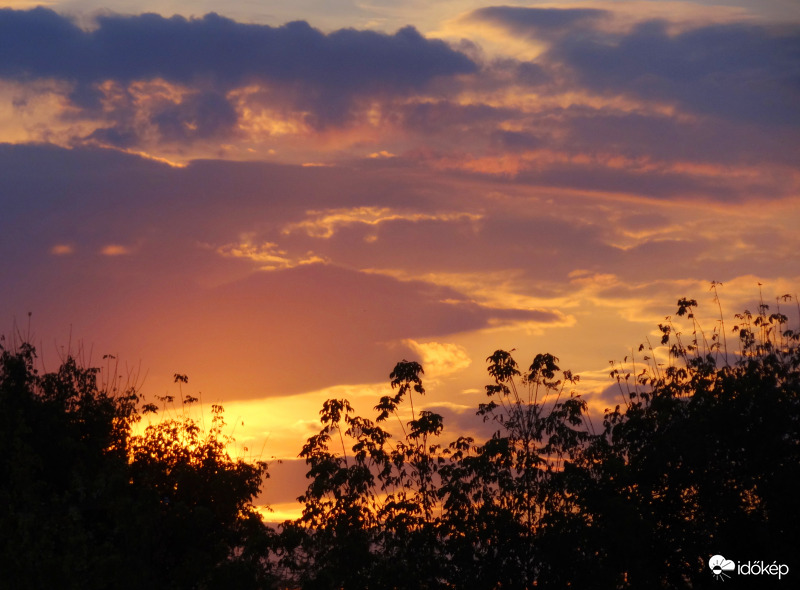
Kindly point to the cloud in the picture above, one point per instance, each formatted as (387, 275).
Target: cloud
(633, 134)
(115, 250)
(215, 221)
(382, 154)
(324, 224)
(205, 58)
(340, 325)
(544, 23)
(743, 72)
(609, 104)
(185, 51)
(737, 71)
(447, 116)
(62, 250)
(193, 238)
(268, 255)
(440, 358)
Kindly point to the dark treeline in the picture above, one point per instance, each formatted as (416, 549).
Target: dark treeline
(701, 457)
(87, 504)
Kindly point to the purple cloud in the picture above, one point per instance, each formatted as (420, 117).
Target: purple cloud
(317, 72)
(738, 71)
(42, 43)
(545, 23)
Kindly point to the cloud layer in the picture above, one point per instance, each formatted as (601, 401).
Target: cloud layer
(211, 56)
(603, 101)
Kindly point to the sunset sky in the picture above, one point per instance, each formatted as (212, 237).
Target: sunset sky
(283, 199)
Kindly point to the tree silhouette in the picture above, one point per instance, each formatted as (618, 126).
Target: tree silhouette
(369, 509)
(86, 504)
(700, 458)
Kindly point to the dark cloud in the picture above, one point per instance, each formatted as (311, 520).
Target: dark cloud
(448, 116)
(198, 116)
(531, 74)
(323, 73)
(116, 136)
(740, 71)
(655, 152)
(46, 188)
(667, 139)
(656, 184)
(516, 141)
(597, 178)
(203, 115)
(41, 43)
(545, 23)
(737, 71)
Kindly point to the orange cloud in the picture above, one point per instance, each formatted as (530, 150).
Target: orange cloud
(115, 250)
(268, 255)
(62, 249)
(323, 224)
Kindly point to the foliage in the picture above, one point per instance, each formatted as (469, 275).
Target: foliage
(700, 459)
(463, 515)
(89, 505)
(370, 511)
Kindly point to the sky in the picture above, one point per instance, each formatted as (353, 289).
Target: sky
(282, 200)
